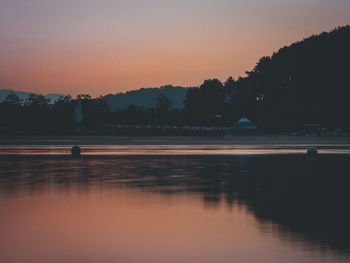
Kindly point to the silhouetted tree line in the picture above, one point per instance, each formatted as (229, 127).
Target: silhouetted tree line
(306, 82)
(36, 115)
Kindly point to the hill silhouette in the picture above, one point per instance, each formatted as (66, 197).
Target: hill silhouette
(306, 82)
(146, 97)
(23, 95)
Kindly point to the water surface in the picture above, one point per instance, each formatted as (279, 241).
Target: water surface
(175, 208)
(171, 149)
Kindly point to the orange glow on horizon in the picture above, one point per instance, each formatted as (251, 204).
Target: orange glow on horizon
(100, 48)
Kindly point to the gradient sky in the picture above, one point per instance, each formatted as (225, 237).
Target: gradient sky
(105, 46)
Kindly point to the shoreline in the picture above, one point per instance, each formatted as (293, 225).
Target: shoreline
(174, 140)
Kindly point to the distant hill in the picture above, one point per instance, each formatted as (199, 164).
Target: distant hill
(146, 97)
(23, 95)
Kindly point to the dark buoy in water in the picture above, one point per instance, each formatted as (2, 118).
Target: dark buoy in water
(312, 152)
(76, 151)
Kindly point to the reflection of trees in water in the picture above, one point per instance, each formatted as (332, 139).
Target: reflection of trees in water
(305, 198)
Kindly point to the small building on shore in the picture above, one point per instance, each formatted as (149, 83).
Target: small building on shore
(244, 124)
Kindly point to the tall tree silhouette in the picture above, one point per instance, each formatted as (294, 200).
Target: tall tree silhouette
(203, 103)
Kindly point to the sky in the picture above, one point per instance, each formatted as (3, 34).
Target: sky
(110, 46)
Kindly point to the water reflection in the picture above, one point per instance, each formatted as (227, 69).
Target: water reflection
(161, 150)
(298, 201)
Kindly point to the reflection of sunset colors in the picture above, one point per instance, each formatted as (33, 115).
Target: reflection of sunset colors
(121, 228)
(99, 47)
(174, 209)
(110, 226)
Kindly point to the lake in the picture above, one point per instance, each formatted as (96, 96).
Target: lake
(174, 204)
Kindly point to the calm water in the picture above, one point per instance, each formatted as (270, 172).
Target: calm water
(276, 207)
(170, 149)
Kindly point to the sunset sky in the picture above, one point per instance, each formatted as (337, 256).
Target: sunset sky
(110, 46)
